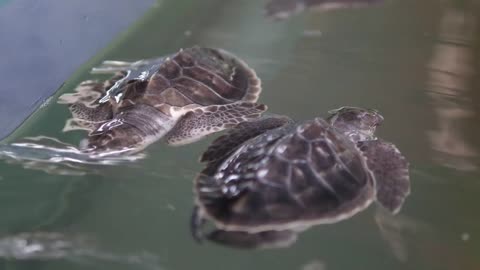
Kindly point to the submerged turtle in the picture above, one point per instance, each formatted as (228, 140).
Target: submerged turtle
(182, 97)
(282, 9)
(269, 176)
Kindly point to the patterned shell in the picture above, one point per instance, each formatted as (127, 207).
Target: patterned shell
(295, 175)
(195, 77)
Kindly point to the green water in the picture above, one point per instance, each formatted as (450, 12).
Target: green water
(417, 62)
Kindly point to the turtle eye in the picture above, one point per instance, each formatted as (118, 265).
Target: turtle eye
(373, 119)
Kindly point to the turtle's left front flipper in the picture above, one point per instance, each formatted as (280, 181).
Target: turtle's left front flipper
(83, 104)
(391, 173)
(200, 122)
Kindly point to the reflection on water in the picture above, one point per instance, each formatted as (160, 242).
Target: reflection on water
(55, 157)
(40, 245)
(393, 230)
(282, 9)
(79, 249)
(315, 265)
(451, 71)
(246, 240)
(413, 240)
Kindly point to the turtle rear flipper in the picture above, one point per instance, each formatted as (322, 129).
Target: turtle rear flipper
(390, 169)
(241, 133)
(200, 122)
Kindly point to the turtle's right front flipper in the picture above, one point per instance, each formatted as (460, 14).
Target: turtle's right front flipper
(201, 122)
(390, 169)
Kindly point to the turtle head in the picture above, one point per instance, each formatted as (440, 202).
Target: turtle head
(357, 123)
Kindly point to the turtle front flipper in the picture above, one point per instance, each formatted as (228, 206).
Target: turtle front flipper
(390, 169)
(201, 122)
(86, 118)
(241, 133)
(83, 104)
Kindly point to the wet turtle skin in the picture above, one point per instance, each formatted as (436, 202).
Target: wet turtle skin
(183, 97)
(288, 176)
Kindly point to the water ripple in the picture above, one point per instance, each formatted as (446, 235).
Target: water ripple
(60, 158)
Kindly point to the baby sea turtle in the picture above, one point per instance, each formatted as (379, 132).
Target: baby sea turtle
(272, 174)
(282, 9)
(182, 97)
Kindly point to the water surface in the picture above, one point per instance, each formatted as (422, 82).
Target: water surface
(414, 61)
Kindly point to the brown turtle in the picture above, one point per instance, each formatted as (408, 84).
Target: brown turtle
(269, 176)
(181, 98)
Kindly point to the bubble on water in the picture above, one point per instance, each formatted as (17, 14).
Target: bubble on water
(46, 102)
(312, 33)
(465, 236)
(315, 265)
